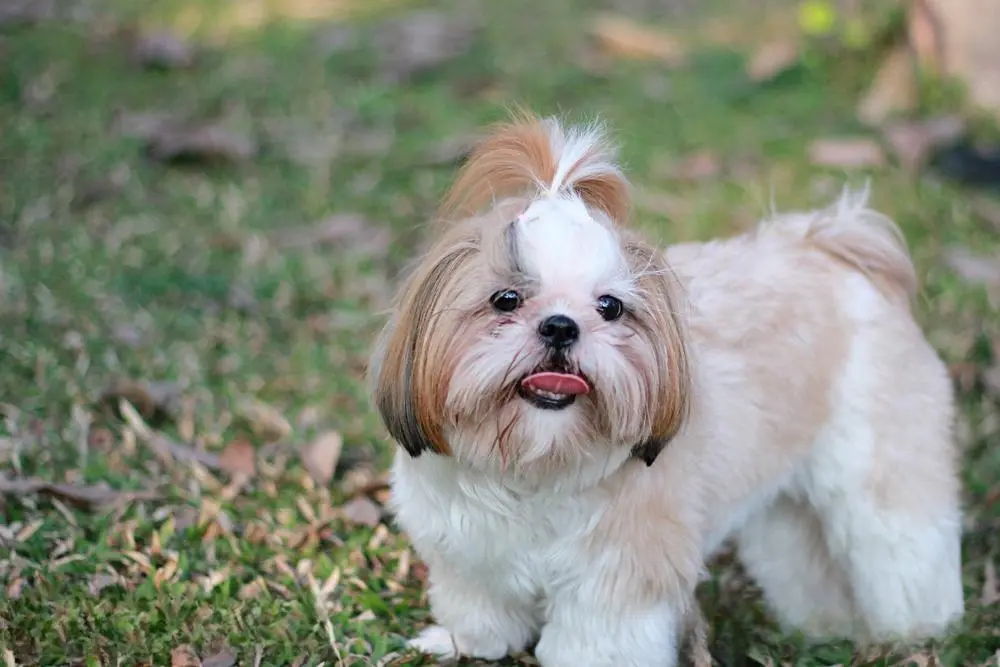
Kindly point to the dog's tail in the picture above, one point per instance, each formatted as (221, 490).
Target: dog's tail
(539, 157)
(863, 238)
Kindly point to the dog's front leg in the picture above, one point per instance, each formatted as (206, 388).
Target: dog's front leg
(584, 629)
(474, 619)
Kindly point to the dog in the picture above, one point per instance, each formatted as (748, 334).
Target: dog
(582, 418)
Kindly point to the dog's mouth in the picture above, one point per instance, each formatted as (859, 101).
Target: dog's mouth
(552, 388)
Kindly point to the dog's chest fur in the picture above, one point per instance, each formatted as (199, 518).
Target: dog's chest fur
(520, 543)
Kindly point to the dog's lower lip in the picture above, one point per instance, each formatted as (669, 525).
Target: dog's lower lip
(546, 400)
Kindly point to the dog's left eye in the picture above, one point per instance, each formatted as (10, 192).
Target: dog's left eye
(610, 308)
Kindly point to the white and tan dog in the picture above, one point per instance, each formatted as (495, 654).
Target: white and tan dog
(583, 418)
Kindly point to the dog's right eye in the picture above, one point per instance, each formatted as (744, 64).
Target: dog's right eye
(506, 301)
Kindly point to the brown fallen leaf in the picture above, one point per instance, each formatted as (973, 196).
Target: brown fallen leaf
(162, 49)
(913, 142)
(184, 656)
(102, 580)
(846, 153)
(974, 268)
(209, 141)
(156, 401)
(448, 152)
(320, 456)
(772, 59)
(266, 421)
(420, 41)
(362, 510)
(991, 587)
(892, 91)
(239, 458)
(987, 209)
(84, 497)
(225, 657)
(140, 124)
(343, 229)
(924, 35)
(25, 12)
(165, 449)
(699, 166)
(626, 38)
(970, 50)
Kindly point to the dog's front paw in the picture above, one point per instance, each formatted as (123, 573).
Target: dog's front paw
(435, 640)
(439, 641)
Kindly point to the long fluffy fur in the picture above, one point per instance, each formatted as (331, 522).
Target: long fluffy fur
(806, 414)
(534, 156)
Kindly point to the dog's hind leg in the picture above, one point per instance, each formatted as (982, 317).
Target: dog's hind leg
(783, 548)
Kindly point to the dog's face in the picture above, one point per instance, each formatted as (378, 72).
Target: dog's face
(536, 333)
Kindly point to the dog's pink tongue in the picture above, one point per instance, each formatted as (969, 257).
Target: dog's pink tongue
(557, 383)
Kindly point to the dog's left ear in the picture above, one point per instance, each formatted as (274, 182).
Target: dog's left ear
(662, 329)
(648, 450)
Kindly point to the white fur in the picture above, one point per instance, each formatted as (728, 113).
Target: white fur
(819, 437)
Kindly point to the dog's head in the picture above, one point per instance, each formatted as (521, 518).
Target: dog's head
(536, 330)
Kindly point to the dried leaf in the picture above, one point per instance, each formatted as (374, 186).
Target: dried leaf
(224, 658)
(772, 59)
(201, 142)
(991, 587)
(420, 41)
(924, 35)
(449, 151)
(84, 497)
(338, 39)
(974, 268)
(321, 455)
(912, 142)
(140, 124)
(362, 510)
(25, 12)
(184, 656)
(102, 580)
(893, 90)
(155, 401)
(626, 38)
(700, 166)
(988, 209)
(846, 153)
(239, 458)
(165, 449)
(967, 31)
(265, 420)
(349, 230)
(162, 49)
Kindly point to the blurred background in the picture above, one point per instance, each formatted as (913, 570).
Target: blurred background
(204, 207)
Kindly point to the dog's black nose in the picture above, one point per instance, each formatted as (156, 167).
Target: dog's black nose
(558, 331)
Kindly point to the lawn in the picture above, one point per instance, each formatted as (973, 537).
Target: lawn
(194, 259)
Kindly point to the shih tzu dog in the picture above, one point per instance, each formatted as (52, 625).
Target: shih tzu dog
(583, 419)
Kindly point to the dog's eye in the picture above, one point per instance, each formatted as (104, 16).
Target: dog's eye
(610, 308)
(506, 301)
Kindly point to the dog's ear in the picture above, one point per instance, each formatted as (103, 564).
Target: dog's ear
(648, 450)
(662, 328)
(412, 363)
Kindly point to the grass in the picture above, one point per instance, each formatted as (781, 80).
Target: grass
(114, 265)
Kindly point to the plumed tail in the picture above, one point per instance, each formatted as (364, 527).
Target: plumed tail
(861, 237)
(530, 156)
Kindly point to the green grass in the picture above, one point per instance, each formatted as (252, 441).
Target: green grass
(141, 284)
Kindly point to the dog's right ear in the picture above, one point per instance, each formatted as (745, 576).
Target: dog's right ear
(413, 359)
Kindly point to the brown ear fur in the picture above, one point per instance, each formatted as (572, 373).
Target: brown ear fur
(669, 402)
(521, 157)
(413, 368)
